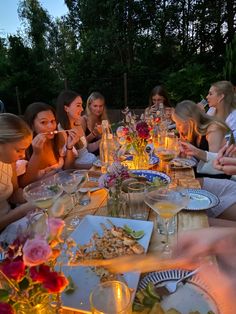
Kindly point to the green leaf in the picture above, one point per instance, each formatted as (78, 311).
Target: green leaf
(24, 284)
(4, 295)
(71, 286)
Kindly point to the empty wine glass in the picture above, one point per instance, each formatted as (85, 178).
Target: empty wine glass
(166, 203)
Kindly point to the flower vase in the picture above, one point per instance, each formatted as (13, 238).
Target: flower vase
(41, 308)
(44, 307)
(141, 159)
(117, 203)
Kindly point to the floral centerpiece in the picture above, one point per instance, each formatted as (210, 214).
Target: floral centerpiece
(29, 282)
(134, 136)
(112, 180)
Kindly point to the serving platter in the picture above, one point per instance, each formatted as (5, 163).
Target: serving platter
(201, 199)
(191, 296)
(84, 277)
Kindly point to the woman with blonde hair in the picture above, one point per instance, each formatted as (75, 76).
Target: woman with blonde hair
(92, 120)
(202, 132)
(15, 138)
(221, 100)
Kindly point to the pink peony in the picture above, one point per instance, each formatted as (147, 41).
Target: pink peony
(55, 226)
(36, 252)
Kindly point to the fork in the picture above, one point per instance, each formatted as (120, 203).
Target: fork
(171, 287)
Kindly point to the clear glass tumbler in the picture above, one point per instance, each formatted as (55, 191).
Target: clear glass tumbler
(111, 297)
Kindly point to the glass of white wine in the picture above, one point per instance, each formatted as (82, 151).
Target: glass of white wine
(43, 193)
(167, 203)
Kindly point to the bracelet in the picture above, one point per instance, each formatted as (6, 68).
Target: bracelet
(69, 148)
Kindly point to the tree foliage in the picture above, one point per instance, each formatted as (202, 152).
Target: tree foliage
(180, 44)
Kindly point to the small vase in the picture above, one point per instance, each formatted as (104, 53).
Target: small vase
(141, 159)
(117, 204)
(45, 307)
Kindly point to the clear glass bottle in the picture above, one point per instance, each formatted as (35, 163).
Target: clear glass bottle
(107, 145)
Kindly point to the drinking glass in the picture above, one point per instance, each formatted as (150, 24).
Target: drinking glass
(70, 182)
(43, 193)
(166, 203)
(111, 297)
(137, 206)
(83, 191)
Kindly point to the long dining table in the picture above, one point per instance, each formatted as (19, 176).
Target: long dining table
(186, 220)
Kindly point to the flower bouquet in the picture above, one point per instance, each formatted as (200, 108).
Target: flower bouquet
(112, 180)
(134, 137)
(29, 282)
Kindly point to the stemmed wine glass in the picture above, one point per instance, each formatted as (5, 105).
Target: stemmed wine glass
(167, 203)
(70, 182)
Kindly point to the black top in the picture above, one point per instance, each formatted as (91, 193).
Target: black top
(204, 146)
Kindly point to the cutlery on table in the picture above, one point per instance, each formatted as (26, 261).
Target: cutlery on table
(171, 286)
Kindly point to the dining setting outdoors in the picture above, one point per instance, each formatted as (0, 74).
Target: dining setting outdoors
(105, 239)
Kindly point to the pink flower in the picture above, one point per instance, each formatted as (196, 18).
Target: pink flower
(6, 308)
(55, 282)
(36, 252)
(39, 273)
(55, 226)
(13, 269)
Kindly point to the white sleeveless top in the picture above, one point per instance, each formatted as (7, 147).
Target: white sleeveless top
(6, 187)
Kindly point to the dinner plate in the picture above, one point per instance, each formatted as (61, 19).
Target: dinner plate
(201, 199)
(84, 277)
(151, 175)
(192, 296)
(184, 163)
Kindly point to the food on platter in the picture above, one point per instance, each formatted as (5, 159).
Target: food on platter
(115, 241)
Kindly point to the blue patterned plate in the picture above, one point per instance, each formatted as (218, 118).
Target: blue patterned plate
(201, 199)
(196, 294)
(151, 175)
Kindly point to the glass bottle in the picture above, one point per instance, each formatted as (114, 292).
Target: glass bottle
(107, 146)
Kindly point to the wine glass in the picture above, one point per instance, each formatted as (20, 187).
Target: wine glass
(167, 203)
(43, 193)
(70, 182)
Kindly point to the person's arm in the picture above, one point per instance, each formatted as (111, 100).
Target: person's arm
(192, 151)
(215, 138)
(15, 214)
(17, 195)
(73, 137)
(33, 165)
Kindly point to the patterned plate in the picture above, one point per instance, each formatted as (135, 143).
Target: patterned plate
(201, 199)
(191, 296)
(151, 175)
(183, 163)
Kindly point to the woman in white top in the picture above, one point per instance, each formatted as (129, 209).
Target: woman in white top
(50, 151)
(15, 138)
(221, 100)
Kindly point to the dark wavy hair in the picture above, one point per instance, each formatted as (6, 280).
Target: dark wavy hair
(65, 98)
(30, 114)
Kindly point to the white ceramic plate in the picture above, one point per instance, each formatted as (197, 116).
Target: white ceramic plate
(201, 199)
(191, 296)
(84, 277)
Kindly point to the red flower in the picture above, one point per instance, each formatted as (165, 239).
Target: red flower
(13, 269)
(39, 273)
(55, 282)
(6, 308)
(142, 130)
